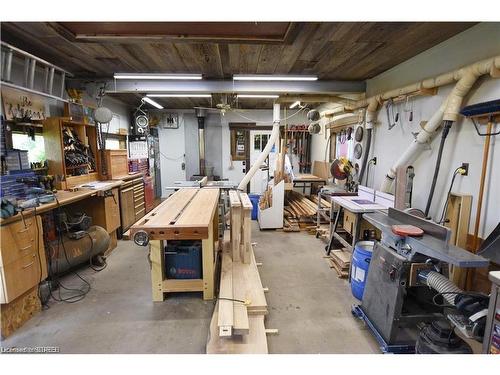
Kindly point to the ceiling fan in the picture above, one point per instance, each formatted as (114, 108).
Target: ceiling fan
(227, 103)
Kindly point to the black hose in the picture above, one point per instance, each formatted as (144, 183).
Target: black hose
(365, 156)
(446, 129)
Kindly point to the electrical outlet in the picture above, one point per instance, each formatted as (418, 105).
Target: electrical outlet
(466, 167)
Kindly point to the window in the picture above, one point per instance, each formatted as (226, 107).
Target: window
(112, 144)
(35, 148)
(239, 141)
(343, 146)
(256, 142)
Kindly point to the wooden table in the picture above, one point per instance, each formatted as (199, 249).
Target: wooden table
(367, 200)
(188, 214)
(304, 180)
(63, 198)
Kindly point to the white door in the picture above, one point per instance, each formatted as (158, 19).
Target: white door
(258, 140)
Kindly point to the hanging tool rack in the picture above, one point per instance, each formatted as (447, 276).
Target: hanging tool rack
(299, 143)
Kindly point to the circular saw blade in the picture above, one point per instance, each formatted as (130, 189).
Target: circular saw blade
(337, 170)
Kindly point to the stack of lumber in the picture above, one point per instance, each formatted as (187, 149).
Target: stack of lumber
(299, 211)
(299, 206)
(290, 224)
(340, 261)
(322, 232)
(279, 172)
(266, 199)
(324, 202)
(237, 324)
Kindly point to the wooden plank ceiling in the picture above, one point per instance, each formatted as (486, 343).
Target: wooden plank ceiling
(333, 50)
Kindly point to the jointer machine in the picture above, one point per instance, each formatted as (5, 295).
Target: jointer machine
(409, 303)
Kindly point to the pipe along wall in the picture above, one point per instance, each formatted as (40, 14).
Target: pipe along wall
(464, 80)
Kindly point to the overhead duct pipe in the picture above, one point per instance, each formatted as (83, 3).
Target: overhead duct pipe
(371, 118)
(448, 111)
(200, 115)
(453, 105)
(265, 152)
(488, 66)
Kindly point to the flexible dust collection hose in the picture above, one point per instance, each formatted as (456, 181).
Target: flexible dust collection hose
(444, 134)
(441, 284)
(275, 133)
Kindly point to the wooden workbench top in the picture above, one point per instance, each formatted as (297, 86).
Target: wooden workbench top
(307, 177)
(186, 214)
(63, 198)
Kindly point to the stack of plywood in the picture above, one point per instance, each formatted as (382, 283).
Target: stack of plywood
(340, 261)
(237, 324)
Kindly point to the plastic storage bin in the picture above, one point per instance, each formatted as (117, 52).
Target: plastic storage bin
(183, 260)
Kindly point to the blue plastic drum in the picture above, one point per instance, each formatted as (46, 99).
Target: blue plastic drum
(359, 267)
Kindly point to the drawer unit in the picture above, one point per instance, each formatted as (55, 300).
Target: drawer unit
(18, 239)
(132, 203)
(23, 262)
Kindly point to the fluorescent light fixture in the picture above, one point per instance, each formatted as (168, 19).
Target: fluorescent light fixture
(152, 102)
(258, 96)
(295, 104)
(179, 95)
(272, 77)
(157, 76)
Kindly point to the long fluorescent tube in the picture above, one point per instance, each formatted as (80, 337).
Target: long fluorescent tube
(179, 95)
(258, 96)
(152, 102)
(272, 77)
(157, 76)
(295, 104)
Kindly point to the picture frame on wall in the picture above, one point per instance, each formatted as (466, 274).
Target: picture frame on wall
(88, 115)
(75, 111)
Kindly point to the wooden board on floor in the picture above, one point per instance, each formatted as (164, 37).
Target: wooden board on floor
(246, 278)
(253, 343)
(342, 258)
(225, 313)
(241, 325)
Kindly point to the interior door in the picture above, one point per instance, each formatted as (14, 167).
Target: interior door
(258, 140)
(240, 156)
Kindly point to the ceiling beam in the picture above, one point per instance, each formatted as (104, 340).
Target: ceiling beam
(230, 86)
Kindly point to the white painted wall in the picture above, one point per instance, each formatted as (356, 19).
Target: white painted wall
(462, 145)
(261, 118)
(173, 149)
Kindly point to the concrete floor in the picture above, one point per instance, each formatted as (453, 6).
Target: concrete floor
(307, 303)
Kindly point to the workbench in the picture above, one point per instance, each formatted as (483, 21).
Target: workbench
(188, 214)
(353, 207)
(23, 260)
(63, 198)
(304, 180)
